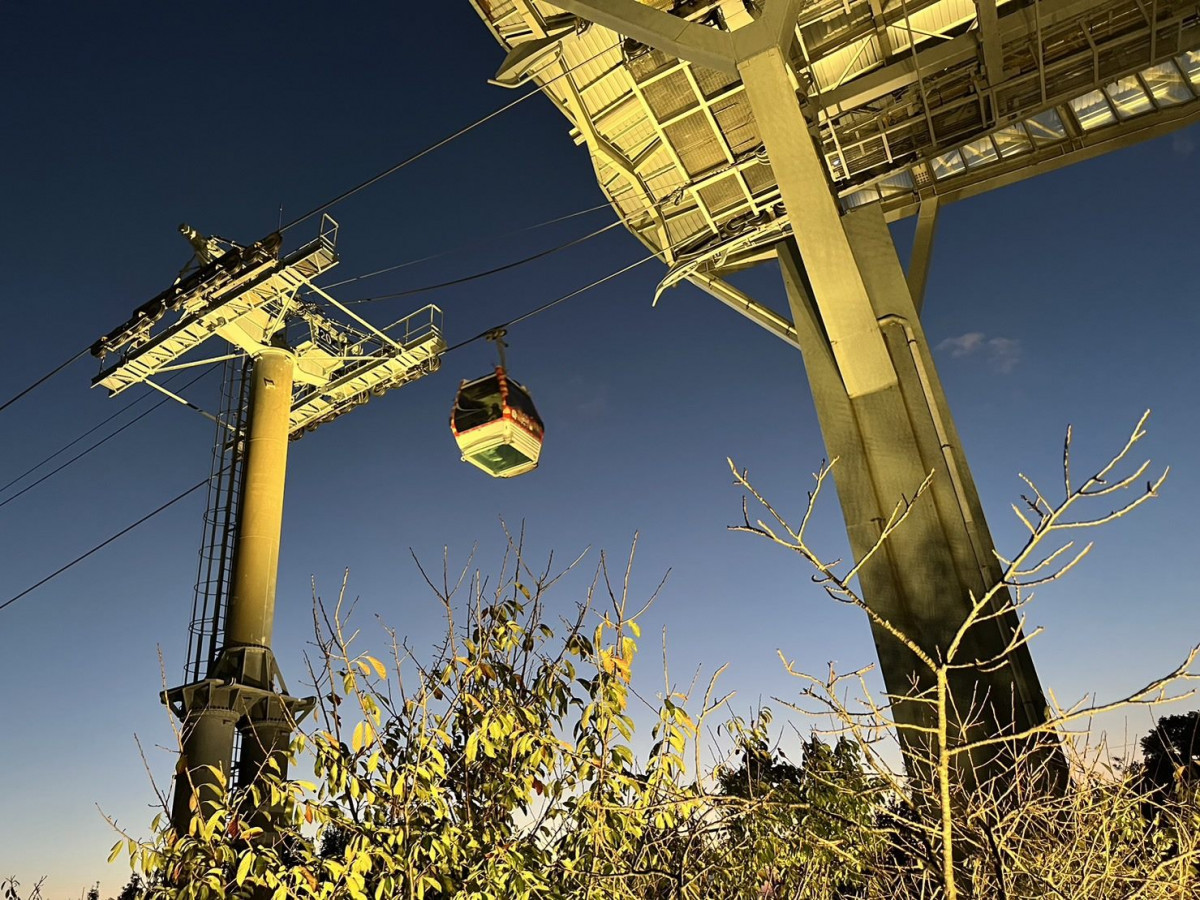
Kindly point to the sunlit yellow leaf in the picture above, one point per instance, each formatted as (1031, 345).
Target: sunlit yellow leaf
(377, 666)
(606, 661)
(243, 869)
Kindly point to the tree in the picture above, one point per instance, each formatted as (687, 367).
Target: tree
(1171, 755)
(799, 819)
(1011, 836)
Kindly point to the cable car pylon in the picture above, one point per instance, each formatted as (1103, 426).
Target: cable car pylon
(311, 361)
(494, 421)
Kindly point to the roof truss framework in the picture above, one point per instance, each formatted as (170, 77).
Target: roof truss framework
(907, 99)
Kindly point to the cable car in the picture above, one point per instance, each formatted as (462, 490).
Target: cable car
(495, 423)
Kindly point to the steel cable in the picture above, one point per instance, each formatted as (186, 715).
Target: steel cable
(391, 170)
(128, 528)
(99, 443)
(541, 254)
(483, 242)
(521, 318)
(11, 400)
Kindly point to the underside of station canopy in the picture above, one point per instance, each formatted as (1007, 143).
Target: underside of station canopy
(906, 99)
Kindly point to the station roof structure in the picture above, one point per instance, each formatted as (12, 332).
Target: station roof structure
(906, 99)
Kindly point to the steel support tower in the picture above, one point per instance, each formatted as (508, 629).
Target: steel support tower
(730, 133)
(311, 360)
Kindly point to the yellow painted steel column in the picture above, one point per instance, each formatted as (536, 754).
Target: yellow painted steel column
(838, 288)
(256, 554)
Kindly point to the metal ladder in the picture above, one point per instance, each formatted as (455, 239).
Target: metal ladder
(211, 597)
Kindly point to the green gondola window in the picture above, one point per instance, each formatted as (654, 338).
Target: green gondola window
(501, 459)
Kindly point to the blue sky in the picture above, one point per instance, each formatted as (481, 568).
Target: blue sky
(1067, 298)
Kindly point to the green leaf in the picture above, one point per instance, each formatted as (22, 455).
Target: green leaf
(116, 850)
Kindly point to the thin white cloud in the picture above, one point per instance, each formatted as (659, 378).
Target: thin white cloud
(963, 345)
(1001, 354)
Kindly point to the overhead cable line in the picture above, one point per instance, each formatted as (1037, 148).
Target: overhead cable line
(67, 446)
(124, 531)
(360, 187)
(552, 303)
(98, 444)
(11, 400)
(541, 254)
(438, 145)
(482, 242)
(483, 334)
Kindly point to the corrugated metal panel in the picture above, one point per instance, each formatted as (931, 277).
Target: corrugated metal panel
(646, 63)
(596, 65)
(855, 59)
(696, 144)
(722, 195)
(497, 9)
(686, 227)
(660, 161)
(664, 182)
(670, 95)
(878, 144)
(629, 207)
(632, 136)
(737, 123)
(710, 81)
(761, 178)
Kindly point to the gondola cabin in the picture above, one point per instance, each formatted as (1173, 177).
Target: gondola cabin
(496, 425)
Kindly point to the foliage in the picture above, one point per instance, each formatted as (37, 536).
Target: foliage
(508, 767)
(504, 768)
(10, 889)
(1171, 755)
(800, 819)
(1027, 832)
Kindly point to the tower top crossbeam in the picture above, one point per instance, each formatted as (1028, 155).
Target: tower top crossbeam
(908, 100)
(254, 298)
